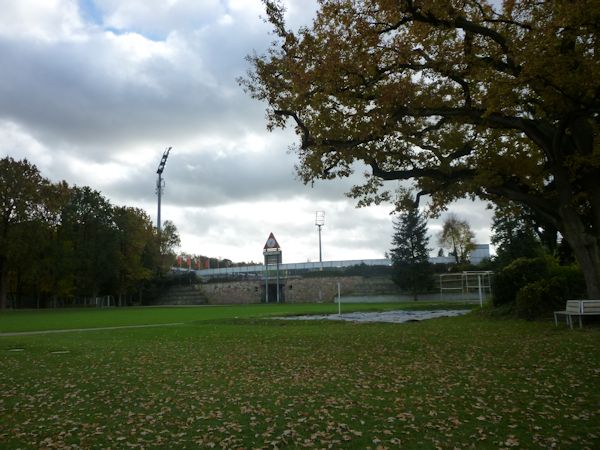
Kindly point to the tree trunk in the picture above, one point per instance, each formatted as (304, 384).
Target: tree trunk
(581, 232)
(3, 283)
(586, 248)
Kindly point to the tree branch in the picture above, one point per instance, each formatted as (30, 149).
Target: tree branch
(305, 138)
(428, 172)
(533, 129)
(546, 208)
(464, 24)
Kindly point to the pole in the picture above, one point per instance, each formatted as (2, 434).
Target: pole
(278, 280)
(480, 296)
(339, 301)
(159, 171)
(158, 191)
(319, 222)
(266, 282)
(320, 253)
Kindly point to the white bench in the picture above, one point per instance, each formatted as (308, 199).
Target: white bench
(578, 308)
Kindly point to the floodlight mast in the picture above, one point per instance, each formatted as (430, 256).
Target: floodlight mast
(160, 184)
(319, 222)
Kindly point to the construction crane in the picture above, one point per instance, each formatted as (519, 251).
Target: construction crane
(160, 184)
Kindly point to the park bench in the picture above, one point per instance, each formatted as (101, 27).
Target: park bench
(578, 308)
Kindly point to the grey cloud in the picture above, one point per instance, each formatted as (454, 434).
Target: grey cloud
(77, 92)
(158, 18)
(63, 98)
(209, 179)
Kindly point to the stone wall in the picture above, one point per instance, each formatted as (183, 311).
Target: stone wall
(305, 290)
(233, 292)
(183, 295)
(296, 289)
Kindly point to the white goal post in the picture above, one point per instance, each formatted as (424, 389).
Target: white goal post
(466, 283)
(106, 301)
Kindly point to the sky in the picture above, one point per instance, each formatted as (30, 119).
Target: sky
(93, 91)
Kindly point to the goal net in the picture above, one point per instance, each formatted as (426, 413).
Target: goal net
(470, 284)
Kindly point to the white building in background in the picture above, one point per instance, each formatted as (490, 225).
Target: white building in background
(481, 252)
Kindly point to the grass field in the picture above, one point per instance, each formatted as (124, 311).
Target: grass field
(230, 378)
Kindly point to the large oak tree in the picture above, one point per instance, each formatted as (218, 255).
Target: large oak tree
(499, 100)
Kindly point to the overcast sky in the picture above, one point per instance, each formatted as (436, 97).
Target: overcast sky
(94, 91)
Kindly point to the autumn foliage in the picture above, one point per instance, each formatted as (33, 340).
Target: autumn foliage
(496, 100)
(62, 244)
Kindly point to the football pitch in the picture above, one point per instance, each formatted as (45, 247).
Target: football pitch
(234, 377)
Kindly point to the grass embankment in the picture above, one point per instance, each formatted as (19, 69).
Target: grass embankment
(249, 382)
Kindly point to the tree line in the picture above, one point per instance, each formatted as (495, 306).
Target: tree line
(62, 244)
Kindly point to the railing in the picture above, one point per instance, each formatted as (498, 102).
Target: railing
(259, 269)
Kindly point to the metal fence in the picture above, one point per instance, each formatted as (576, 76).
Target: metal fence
(290, 269)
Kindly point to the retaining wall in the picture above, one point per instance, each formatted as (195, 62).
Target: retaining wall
(294, 289)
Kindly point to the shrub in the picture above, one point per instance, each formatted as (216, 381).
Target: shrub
(573, 280)
(540, 298)
(325, 273)
(368, 271)
(415, 278)
(519, 273)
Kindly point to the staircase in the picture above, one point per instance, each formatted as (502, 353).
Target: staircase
(375, 286)
(183, 295)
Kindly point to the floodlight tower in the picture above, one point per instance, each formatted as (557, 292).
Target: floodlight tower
(319, 222)
(160, 184)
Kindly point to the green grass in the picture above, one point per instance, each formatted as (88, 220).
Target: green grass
(58, 319)
(227, 382)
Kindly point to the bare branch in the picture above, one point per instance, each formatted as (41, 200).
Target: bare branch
(428, 172)
(306, 138)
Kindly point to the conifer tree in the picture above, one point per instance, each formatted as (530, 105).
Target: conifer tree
(410, 255)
